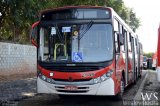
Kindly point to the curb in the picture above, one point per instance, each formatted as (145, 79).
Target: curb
(138, 96)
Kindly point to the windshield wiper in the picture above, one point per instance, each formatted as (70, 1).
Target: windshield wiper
(89, 25)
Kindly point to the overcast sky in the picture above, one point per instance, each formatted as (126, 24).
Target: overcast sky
(149, 13)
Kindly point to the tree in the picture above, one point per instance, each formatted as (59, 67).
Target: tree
(17, 18)
(149, 55)
(127, 14)
(134, 22)
(18, 15)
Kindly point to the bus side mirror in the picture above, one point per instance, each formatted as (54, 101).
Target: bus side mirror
(34, 33)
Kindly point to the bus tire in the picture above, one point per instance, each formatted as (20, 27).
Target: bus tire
(140, 76)
(119, 96)
(153, 68)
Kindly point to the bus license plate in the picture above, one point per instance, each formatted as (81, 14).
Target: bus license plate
(71, 87)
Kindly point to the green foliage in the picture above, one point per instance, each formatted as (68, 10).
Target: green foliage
(134, 22)
(18, 15)
(149, 55)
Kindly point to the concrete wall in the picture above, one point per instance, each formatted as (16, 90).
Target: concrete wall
(17, 59)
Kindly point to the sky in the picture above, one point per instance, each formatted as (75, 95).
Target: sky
(148, 11)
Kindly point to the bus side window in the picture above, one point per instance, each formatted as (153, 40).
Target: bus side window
(120, 29)
(129, 43)
(125, 37)
(136, 46)
(117, 46)
(141, 49)
(122, 34)
(116, 35)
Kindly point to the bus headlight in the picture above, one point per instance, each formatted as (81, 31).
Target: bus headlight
(96, 80)
(49, 80)
(109, 73)
(103, 77)
(44, 78)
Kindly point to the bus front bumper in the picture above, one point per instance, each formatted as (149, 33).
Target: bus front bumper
(103, 88)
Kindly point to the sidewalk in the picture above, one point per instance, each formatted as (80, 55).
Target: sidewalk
(152, 89)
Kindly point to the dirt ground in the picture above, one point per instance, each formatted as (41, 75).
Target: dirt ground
(13, 77)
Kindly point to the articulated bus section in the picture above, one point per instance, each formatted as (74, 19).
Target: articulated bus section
(85, 50)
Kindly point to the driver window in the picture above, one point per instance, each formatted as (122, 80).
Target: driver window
(117, 48)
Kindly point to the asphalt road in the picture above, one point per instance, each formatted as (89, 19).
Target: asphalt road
(55, 100)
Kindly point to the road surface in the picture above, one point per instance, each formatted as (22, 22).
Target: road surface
(23, 93)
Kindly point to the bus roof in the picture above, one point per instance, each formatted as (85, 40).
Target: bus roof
(113, 13)
(70, 7)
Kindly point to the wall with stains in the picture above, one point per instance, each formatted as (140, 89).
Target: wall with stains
(17, 59)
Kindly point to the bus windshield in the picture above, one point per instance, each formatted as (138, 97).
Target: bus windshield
(85, 42)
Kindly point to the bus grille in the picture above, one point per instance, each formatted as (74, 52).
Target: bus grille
(75, 80)
(72, 69)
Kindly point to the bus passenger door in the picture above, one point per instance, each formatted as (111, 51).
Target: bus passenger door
(126, 58)
(130, 57)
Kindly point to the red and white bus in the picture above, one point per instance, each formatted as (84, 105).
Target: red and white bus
(158, 56)
(154, 61)
(85, 50)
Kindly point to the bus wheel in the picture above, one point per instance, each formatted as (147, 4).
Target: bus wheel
(120, 94)
(153, 68)
(140, 75)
